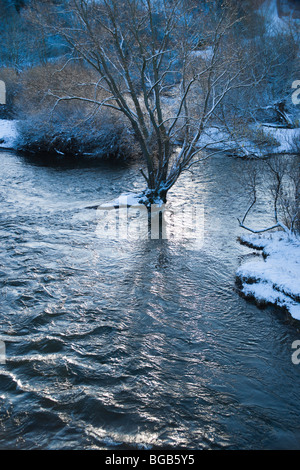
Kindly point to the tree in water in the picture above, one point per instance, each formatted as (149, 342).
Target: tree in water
(166, 65)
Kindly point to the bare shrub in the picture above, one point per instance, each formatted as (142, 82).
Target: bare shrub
(74, 128)
(283, 174)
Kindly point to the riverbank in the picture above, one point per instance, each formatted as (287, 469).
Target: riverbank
(282, 140)
(277, 140)
(274, 277)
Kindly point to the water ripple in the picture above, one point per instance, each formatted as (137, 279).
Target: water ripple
(122, 344)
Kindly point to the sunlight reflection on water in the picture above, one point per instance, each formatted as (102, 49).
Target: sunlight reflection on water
(134, 342)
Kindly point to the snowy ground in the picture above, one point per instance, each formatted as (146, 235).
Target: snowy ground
(8, 133)
(273, 278)
(276, 25)
(286, 141)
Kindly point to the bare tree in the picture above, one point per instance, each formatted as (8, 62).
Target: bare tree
(284, 173)
(166, 65)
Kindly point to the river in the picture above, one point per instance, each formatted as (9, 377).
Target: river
(115, 343)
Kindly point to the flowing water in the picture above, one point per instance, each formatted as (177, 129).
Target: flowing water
(115, 343)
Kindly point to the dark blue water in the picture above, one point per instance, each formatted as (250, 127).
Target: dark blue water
(125, 344)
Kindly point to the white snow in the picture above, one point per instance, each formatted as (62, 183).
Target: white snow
(275, 279)
(215, 138)
(8, 133)
(205, 54)
(129, 199)
(286, 138)
(270, 12)
(124, 200)
(274, 24)
(286, 141)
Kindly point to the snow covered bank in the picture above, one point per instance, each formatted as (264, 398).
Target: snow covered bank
(288, 139)
(273, 278)
(281, 140)
(8, 133)
(276, 24)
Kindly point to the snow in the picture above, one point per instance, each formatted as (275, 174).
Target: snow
(286, 141)
(8, 133)
(214, 138)
(273, 278)
(129, 199)
(274, 24)
(270, 12)
(285, 137)
(124, 200)
(205, 54)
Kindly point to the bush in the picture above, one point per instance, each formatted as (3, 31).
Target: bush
(284, 172)
(72, 128)
(104, 137)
